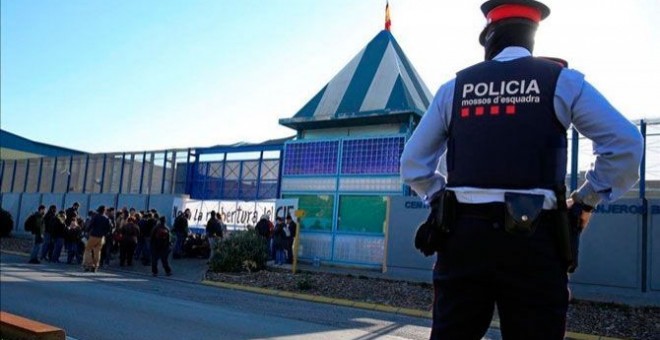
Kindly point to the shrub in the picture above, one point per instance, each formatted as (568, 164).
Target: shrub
(240, 252)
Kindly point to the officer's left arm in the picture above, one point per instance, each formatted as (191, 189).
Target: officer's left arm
(421, 155)
(617, 143)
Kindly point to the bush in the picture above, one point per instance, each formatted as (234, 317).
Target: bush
(240, 252)
(6, 223)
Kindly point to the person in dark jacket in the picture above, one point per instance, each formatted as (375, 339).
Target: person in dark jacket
(108, 245)
(73, 235)
(35, 224)
(160, 247)
(213, 233)
(47, 246)
(263, 230)
(181, 232)
(290, 229)
(99, 227)
(72, 213)
(129, 240)
(57, 235)
(146, 229)
(279, 241)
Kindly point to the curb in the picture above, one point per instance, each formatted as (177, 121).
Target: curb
(322, 299)
(17, 253)
(341, 302)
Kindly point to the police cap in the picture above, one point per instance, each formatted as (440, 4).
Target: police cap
(495, 10)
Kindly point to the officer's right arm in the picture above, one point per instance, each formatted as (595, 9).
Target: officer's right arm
(421, 156)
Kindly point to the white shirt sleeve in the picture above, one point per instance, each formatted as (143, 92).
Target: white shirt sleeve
(422, 164)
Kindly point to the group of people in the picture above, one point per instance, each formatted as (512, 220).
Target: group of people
(92, 242)
(279, 237)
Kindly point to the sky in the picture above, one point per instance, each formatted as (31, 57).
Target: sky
(132, 75)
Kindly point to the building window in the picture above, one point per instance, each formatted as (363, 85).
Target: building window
(362, 214)
(316, 210)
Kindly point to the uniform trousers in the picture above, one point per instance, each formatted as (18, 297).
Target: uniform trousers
(482, 266)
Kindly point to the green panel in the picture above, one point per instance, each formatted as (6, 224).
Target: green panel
(363, 214)
(317, 210)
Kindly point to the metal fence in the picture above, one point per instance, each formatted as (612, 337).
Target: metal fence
(154, 172)
(243, 172)
(581, 159)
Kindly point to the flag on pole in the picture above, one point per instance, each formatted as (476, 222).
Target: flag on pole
(388, 22)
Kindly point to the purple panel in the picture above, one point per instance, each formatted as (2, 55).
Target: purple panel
(372, 156)
(311, 158)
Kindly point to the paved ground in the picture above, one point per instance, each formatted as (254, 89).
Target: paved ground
(121, 304)
(192, 272)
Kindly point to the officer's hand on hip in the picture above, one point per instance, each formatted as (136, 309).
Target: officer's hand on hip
(585, 215)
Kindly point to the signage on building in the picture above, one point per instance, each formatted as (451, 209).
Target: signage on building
(237, 215)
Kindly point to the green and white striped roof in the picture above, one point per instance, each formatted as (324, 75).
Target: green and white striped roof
(378, 85)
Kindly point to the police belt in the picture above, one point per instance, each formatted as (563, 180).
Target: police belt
(493, 210)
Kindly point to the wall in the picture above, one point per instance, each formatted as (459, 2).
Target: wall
(403, 260)
(619, 257)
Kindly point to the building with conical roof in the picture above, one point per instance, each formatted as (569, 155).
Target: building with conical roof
(345, 160)
(378, 86)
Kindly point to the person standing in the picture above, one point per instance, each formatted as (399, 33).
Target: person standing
(181, 231)
(263, 229)
(160, 247)
(48, 243)
(99, 227)
(129, 240)
(72, 212)
(279, 241)
(35, 225)
(58, 232)
(213, 233)
(501, 124)
(291, 229)
(73, 236)
(109, 242)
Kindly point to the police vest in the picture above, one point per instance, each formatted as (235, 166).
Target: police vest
(504, 132)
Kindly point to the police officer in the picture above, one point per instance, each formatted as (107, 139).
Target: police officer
(501, 124)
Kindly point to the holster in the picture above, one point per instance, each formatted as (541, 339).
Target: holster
(568, 230)
(433, 233)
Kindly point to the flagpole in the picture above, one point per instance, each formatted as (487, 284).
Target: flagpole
(388, 22)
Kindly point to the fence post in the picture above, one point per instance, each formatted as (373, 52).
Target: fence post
(121, 172)
(69, 173)
(144, 160)
(261, 160)
(105, 159)
(642, 167)
(52, 182)
(84, 188)
(645, 212)
(162, 182)
(13, 177)
(575, 149)
(27, 174)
